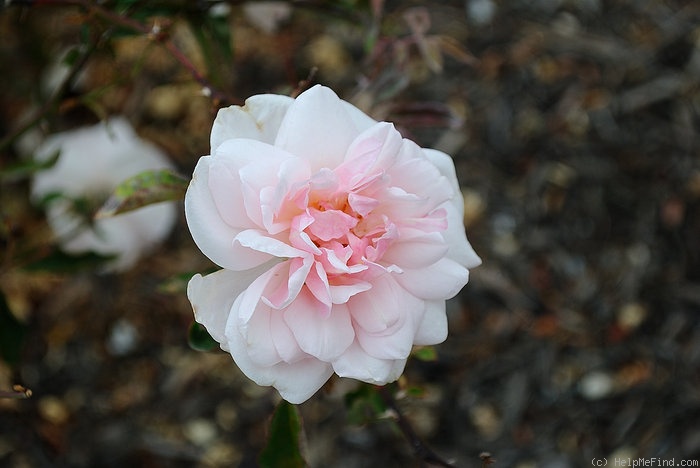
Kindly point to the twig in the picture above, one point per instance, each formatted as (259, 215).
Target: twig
(18, 393)
(420, 449)
(157, 34)
(154, 32)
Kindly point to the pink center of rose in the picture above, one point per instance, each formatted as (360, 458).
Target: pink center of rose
(340, 229)
(344, 229)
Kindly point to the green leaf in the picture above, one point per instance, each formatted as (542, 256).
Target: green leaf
(144, 189)
(283, 448)
(425, 353)
(25, 169)
(12, 333)
(199, 338)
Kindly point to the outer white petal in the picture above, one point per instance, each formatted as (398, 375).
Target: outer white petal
(210, 232)
(318, 128)
(362, 121)
(213, 295)
(441, 280)
(433, 328)
(324, 337)
(259, 119)
(455, 236)
(296, 381)
(355, 363)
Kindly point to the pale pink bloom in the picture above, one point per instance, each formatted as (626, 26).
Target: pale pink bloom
(93, 161)
(339, 241)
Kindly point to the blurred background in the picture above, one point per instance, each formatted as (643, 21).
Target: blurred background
(574, 126)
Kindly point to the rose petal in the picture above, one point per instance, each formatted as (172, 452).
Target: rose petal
(212, 297)
(258, 241)
(288, 281)
(210, 232)
(371, 152)
(340, 294)
(355, 363)
(417, 252)
(259, 119)
(381, 307)
(317, 127)
(259, 340)
(433, 327)
(460, 249)
(323, 336)
(396, 341)
(284, 341)
(233, 165)
(258, 174)
(296, 381)
(441, 280)
(361, 120)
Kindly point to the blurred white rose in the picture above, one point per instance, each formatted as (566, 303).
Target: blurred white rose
(267, 15)
(93, 161)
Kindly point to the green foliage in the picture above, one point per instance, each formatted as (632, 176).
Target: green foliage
(144, 189)
(12, 333)
(425, 353)
(283, 448)
(58, 261)
(176, 284)
(364, 404)
(199, 339)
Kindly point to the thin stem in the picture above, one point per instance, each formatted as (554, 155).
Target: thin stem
(156, 33)
(420, 449)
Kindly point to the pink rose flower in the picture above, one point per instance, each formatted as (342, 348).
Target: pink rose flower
(339, 241)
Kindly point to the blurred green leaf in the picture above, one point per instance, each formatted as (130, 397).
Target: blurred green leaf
(60, 262)
(199, 338)
(175, 284)
(144, 189)
(425, 353)
(283, 444)
(12, 333)
(25, 169)
(364, 404)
